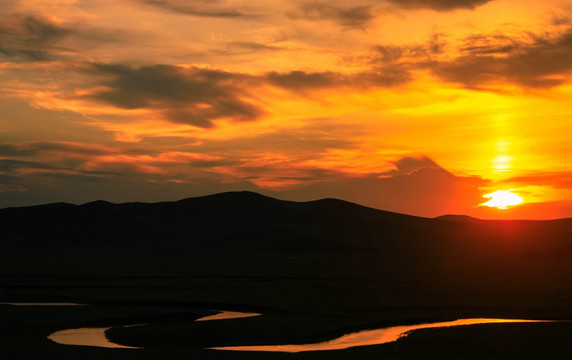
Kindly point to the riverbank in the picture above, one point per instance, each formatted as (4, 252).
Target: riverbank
(172, 332)
(315, 270)
(25, 330)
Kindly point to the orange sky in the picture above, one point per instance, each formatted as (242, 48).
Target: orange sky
(414, 106)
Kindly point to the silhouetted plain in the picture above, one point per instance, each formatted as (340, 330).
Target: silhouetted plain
(315, 270)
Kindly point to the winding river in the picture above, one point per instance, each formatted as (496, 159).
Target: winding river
(86, 337)
(368, 337)
(96, 336)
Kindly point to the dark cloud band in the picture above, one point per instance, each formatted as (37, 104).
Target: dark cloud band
(439, 5)
(29, 38)
(195, 8)
(184, 95)
(353, 16)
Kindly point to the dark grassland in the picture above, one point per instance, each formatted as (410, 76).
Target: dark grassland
(314, 270)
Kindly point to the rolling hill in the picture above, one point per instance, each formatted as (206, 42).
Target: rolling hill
(248, 234)
(340, 264)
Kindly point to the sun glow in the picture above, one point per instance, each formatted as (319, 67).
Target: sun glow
(502, 199)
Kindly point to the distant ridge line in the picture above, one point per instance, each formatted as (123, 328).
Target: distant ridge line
(248, 197)
(458, 218)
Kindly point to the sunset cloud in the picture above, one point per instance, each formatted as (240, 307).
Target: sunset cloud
(417, 106)
(558, 179)
(28, 168)
(482, 60)
(9, 166)
(540, 62)
(29, 37)
(36, 148)
(410, 165)
(408, 54)
(348, 16)
(147, 164)
(300, 80)
(418, 181)
(439, 5)
(204, 8)
(191, 96)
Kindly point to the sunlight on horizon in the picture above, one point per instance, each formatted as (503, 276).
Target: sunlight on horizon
(502, 199)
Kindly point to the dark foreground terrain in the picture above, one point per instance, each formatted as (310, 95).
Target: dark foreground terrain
(314, 270)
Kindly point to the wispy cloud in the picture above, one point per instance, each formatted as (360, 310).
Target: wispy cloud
(192, 96)
(558, 179)
(410, 165)
(347, 16)
(36, 148)
(20, 161)
(483, 61)
(439, 5)
(200, 96)
(29, 37)
(204, 8)
(543, 61)
(299, 80)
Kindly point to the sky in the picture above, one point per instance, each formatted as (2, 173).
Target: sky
(413, 106)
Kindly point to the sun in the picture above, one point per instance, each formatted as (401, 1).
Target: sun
(502, 199)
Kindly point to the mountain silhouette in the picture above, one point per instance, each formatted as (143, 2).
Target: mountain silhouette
(200, 221)
(385, 257)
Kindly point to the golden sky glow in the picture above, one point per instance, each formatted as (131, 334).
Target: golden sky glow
(415, 106)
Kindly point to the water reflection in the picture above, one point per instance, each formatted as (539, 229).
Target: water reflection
(226, 315)
(96, 336)
(368, 337)
(85, 337)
